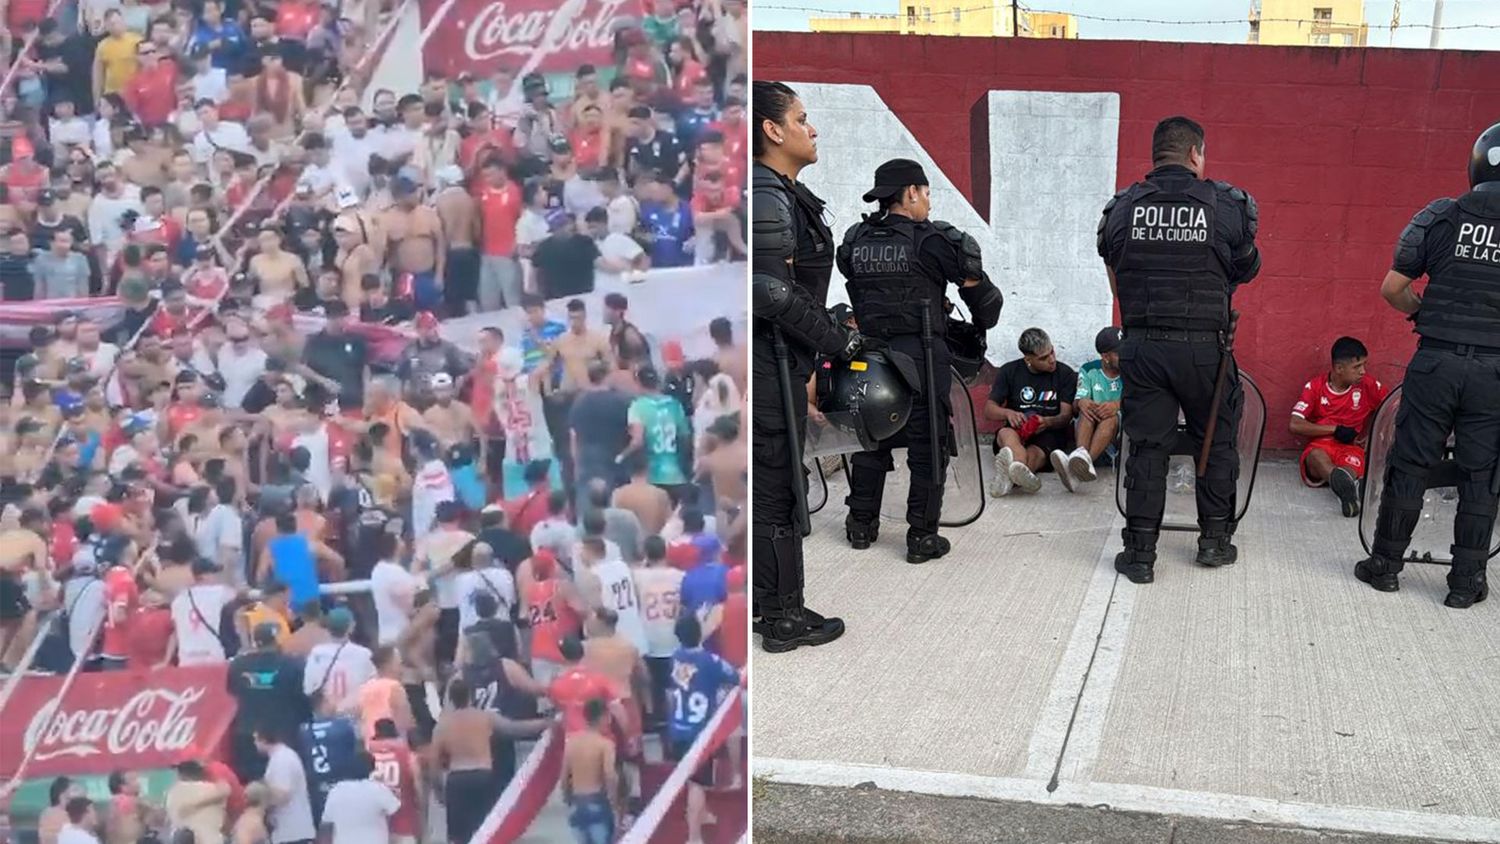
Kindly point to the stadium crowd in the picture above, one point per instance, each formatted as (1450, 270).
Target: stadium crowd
(261, 451)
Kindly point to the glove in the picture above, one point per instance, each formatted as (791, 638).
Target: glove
(1029, 428)
(854, 344)
(1345, 434)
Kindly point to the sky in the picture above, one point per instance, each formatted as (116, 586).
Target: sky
(793, 14)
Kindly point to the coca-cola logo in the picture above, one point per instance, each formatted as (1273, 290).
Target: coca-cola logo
(569, 26)
(153, 721)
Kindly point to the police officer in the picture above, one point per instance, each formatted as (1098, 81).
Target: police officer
(1453, 381)
(791, 264)
(1176, 246)
(896, 262)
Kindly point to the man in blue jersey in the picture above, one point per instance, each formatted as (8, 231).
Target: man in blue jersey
(705, 585)
(699, 681)
(330, 743)
(667, 222)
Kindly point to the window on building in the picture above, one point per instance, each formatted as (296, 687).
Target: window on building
(1054, 32)
(927, 13)
(958, 15)
(1347, 39)
(1322, 13)
(1321, 39)
(911, 15)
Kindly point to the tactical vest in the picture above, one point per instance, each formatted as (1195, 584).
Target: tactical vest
(886, 281)
(812, 260)
(1462, 300)
(1171, 274)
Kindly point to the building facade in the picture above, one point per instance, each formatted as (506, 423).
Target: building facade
(996, 19)
(1314, 23)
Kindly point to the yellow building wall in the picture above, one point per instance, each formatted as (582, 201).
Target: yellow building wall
(951, 17)
(1296, 23)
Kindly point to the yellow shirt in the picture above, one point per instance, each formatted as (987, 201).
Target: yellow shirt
(117, 55)
(258, 613)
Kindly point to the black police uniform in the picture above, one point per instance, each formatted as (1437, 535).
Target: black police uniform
(895, 265)
(791, 264)
(1452, 384)
(1178, 246)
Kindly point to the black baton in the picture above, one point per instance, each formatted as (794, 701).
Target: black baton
(932, 399)
(799, 478)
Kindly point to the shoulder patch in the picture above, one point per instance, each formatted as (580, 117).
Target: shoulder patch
(1434, 209)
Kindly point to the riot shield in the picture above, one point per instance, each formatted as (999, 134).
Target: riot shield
(1181, 512)
(963, 495)
(1432, 539)
(817, 484)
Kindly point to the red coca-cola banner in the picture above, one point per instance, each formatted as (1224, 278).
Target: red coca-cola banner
(117, 720)
(550, 36)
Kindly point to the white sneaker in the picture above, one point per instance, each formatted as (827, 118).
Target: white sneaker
(1082, 465)
(1024, 477)
(1060, 466)
(1000, 483)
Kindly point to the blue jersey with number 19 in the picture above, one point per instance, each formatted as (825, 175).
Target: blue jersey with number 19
(663, 426)
(698, 680)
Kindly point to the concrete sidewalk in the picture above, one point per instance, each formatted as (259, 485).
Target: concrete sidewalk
(1020, 668)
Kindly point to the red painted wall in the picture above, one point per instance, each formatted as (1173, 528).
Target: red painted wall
(1340, 147)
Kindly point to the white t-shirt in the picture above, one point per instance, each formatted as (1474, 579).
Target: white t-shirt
(615, 246)
(351, 156)
(531, 228)
(75, 131)
(222, 527)
(470, 583)
(198, 638)
(71, 834)
(432, 486)
(437, 549)
(660, 591)
(240, 372)
(623, 214)
(319, 472)
(292, 820)
(226, 135)
(101, 361)
(212, 84)
(387, 580)
(617, 592)
(85, 601)
(360, 812)
(346, 665)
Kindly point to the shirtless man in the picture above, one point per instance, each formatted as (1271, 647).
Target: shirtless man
(608, 653)
(416, 243)
(355, 258)
(723, 463)
(589, 784)
(649, 503)
(577, 348)
(461, 744)
(459, 212)
(729, 356)
(279, 274)
(452, 422)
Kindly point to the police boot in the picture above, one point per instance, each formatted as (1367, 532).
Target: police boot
(1214, 546)
(861, 534)
(1137, 562)
(920, 549)
(1381, 573)
(1467, 585)
(792, 625)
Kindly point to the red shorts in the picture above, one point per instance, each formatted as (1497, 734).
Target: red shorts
(1345, 456)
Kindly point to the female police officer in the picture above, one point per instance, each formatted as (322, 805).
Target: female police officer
(792, 261)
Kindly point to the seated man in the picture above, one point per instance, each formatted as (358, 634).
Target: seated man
(1098, 406)
(1028, 396)
(1332, 412)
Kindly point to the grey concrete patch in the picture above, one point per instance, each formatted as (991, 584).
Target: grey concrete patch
(794, 814)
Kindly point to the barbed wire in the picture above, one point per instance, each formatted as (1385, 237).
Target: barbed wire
(863, 15)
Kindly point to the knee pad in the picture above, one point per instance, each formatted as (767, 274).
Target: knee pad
(1146, 469)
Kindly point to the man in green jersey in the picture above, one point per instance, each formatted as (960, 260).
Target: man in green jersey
(659, 427)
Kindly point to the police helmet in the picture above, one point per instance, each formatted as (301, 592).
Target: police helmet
(1484, 162)
(869, 397)
(966, 346)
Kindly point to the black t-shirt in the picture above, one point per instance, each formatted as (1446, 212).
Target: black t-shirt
(306, 299)
(42, 231)
(566, 265)
(341, 358)
(664, 154)
(15, 277)
(268, 687)
(76, 83)
(601, 418)
(392, 312)
(1042, 393)
(509, 548)
(259, 397)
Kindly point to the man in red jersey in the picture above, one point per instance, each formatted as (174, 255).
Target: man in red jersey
(397, 767)
(1332, 413)
(576, 686)
(121, 596)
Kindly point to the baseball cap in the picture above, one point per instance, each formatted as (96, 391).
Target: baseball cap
(47, 196)
(209, 400)
(1108, 339)
(559, 144)
(340, 621)
(544, 563)
(266, 634)
(106, 517)
(672, 354)
(135, 425)
(403, 185)
(203, 251)
(336, 308)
